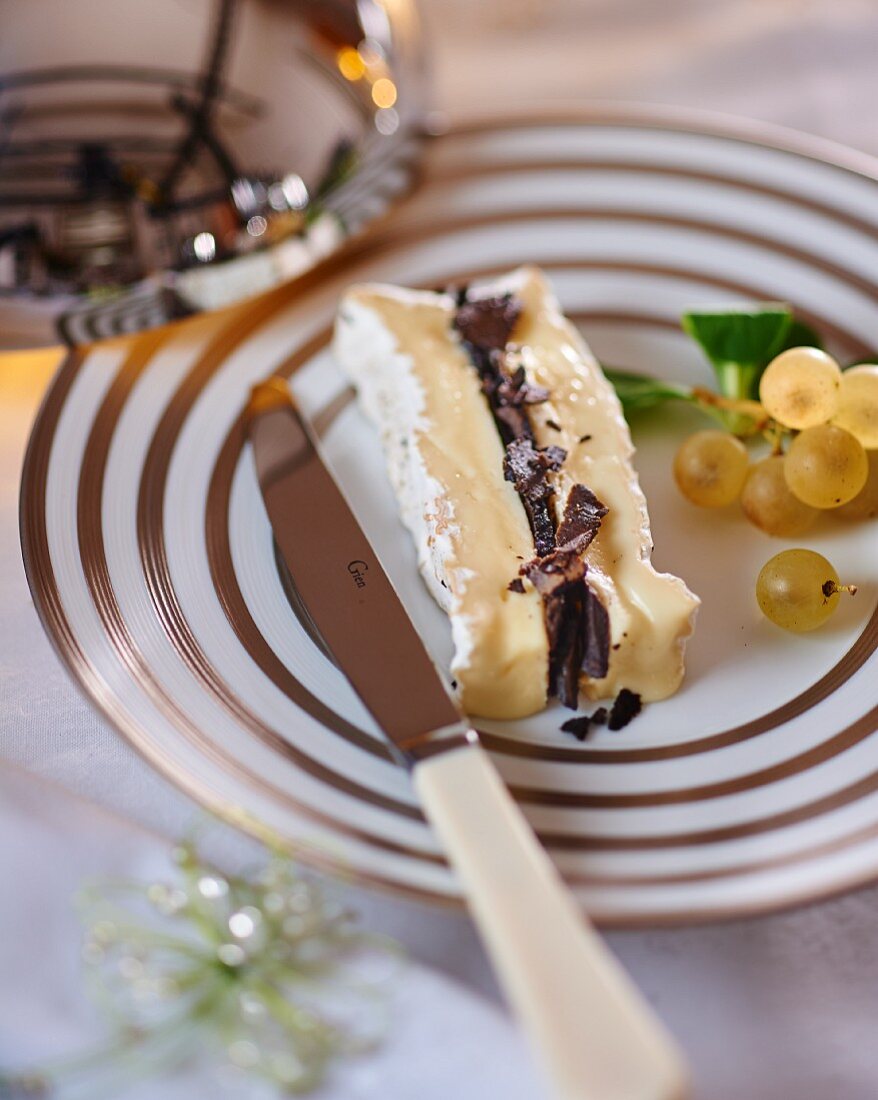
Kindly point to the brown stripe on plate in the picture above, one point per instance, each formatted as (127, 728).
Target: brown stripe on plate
(795, 765)
(714, 874)
(384, 238)
(465, 222)
(756, 827)
(680, 120)
(455, 173)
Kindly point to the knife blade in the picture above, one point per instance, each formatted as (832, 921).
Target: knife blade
(596, 1037)
(343, 585)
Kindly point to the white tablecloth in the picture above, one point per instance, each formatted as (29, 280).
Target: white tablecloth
(775, 1008)
(443, 1038)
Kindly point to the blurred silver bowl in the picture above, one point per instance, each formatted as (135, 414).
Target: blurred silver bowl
(159, 158)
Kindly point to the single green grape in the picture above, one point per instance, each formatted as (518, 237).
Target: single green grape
(826, 466)
(858, 405)
(800, 387)
(798, 590)
(865, 503)
(768, 503)
(710, 468)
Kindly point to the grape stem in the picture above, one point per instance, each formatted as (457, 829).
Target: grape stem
(742, 407)
(830, 588)
(775, 435)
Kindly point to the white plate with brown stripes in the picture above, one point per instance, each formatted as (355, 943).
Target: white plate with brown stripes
(150, 554)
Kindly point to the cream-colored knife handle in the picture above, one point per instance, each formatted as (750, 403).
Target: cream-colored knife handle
(593, 1033)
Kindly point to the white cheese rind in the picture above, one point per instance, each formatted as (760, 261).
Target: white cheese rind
(445, 463)
(393, 399)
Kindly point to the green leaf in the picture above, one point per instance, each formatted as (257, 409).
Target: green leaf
(640, 391)
(740, 343)
(751, 336)
(800, 335)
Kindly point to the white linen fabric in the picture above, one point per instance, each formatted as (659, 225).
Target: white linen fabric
(443, 1039)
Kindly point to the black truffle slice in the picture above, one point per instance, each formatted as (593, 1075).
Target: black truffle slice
(559, 577)
(627, 706)
(528, 467)
(581, 521)
(595, 624)
(487, 323)
(581, 727)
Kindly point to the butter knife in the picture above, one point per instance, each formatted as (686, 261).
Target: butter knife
(593, 1033)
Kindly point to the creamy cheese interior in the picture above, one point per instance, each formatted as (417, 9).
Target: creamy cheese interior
(445, 460)
(651, 613)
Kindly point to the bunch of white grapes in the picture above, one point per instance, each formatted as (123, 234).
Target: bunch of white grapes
(831, 462)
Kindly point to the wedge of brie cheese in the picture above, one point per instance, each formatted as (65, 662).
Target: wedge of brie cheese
(419, 384)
